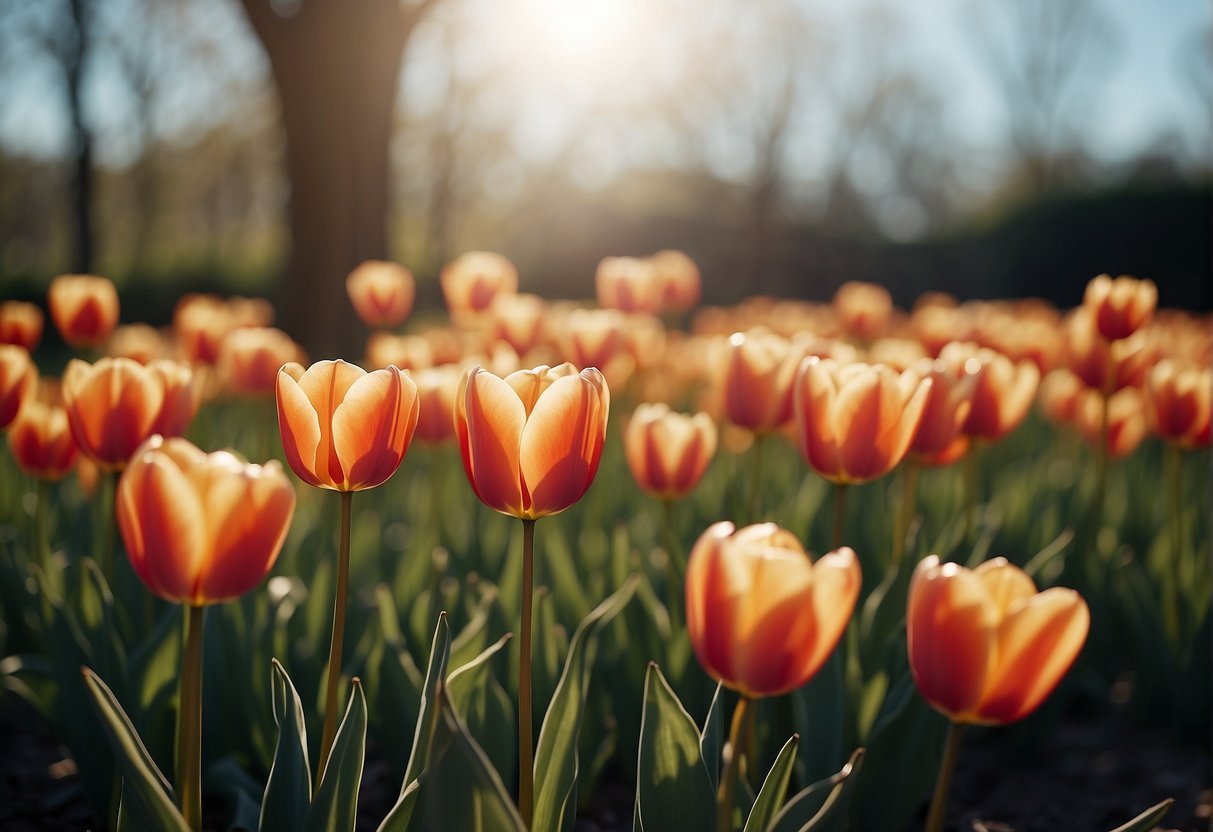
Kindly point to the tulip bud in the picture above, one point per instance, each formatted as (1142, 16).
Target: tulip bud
(40, 439)
(985, 647)
(200, 323)
(863, 309)
(84, 308)
(678, 278)
(854, 422)
(249, 359)
(762, 616)
(628, 284)
(1003, 391)
(1178, 403)
(1126, 423)
(668, 452)
(759, 370)
(940, 438)
(408, 352)
(531, 442)
(472, 280)
(20, 324)
(437, 388)
(1121, 306)
(201, 528)
(382, 292)
(138, 342)
(343, 428)
(18, 379)
(518, 320)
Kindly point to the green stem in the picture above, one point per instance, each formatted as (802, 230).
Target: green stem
(1172, 571)
(189, 722)
(1101, 468)
(107, 525)
(755, 477)
(42, 548)
(840, 493)
(728, 781)
(909, 489)
(338, 641)
(675, 568)
(526, 754)
(943, 784)
(970, 488)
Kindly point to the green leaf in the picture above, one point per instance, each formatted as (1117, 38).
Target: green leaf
(823, 805)
(820, 717)
(427, 717)
(673, 788)
(463, 790)
(334, 808)
(401, 816)
(288, 792)
(151, 802)
(556, 759)
(1148, 819)
(774, 788)
(489, 717)
(711, 738)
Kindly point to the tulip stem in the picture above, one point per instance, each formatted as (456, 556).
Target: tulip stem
(1174, 571)
(42, 547)
(970, 491)
(108, 525)
(189, 722)
(732, 759)
(909, 490)
(526, 765)
(1101, 462)
(840, 493)
(335, 646)
(674, 566)
(756, 477)
(943, 784)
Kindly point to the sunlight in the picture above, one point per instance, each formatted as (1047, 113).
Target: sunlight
(579, 36)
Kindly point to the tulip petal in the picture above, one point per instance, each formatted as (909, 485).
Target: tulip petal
(814, 403)
(562, 443)
(299, 425)
(1036, 645)
(161, 519)
(776, 626)
(715, 588)
(494, 421)
(373, 426)
(1006, 583)
(325, 384)
(836, 583)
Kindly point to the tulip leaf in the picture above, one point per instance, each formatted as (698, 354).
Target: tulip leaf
(475, 692)
(711, 738)
(334, 807)
(556, 758)
(823, 805)
(288, 792)
(1148, 819)
(463, 789)
(427, 717)
(151, 804)
(820, 717)
(673, 788)
(774, 788)
(399, 686)
(401, 816)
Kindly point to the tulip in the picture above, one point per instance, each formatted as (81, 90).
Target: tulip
(855, 422)
(1059, 396)
(382, 292)
(898, 353)
(18, 378)
(1003, 391)
(763, 617)
(116, 403)
(199, 529)
(471, 281)
(759, 372)
(986, 648)
(668, 452)
(346, 430)
(1122, 429)
(628, 284)
(255, 312)
(1121, 306)
(20, 324)
(1102, 364)
(679, 280)
(343, 428)
(138, 342)
(200, 323)
(940, 439)
(530, 443)
(40, 439)
(84, 308)
(249, 359)
(518, 320)
(598, 338)
(864, 309)
(408, 352)
(1178, 403)
(437, 388)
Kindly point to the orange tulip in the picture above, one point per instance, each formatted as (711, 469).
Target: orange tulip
(249, 359)
(531, 442)
(408, 352)
(1003, 391)
(20, 324)
(200, 323)
(116, 404)
(679, 279)
(668, 452)
(382, 292)
(1121, 306)
(940, 438)
(759, 372)
(40, 439)
(201, 528)
(138, 342)
(1102, 364)
(985, 647)
(1178, 403)
(1127, 425)
(1059, 395)
(863, 309)
(18, 378)
(84, 308)
(437, 388)
(518, 320)
(598, 338)
(249, 311)
(762, 616)
(343, 428)
(472, 280)
(628, 284)
(899, 353)
(855, 422)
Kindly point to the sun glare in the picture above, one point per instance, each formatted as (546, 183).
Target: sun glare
(575, 35)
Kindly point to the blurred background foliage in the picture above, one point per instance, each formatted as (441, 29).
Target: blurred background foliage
(983, 148)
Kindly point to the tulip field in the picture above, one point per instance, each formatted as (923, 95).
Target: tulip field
(627, 563)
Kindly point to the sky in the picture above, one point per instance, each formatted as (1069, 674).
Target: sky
(1146, 91)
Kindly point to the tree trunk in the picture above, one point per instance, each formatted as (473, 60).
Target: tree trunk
(335, 65)
(82, 141)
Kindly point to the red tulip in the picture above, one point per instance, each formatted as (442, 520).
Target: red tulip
(382, 292)
(20, 324)
(18, 379)
(84, 308)
(1121, 306)
(668, 452)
